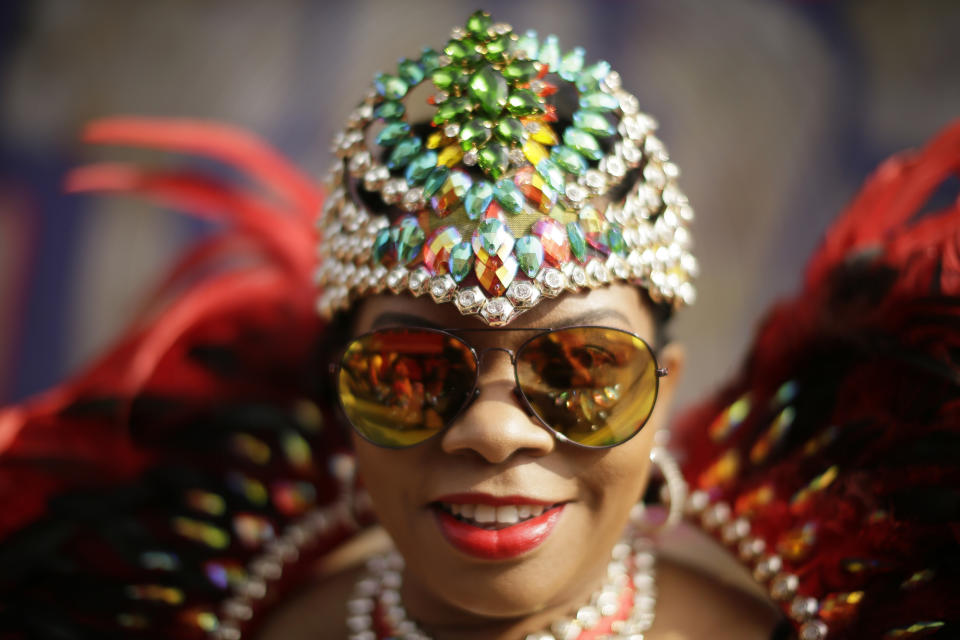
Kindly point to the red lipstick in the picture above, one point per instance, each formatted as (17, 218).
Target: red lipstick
(497, 544)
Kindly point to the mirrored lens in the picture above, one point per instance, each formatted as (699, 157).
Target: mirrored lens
(398, 387)
(594, 385)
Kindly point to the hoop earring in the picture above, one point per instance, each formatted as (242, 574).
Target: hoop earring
(674, 491)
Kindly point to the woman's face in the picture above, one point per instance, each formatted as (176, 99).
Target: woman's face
(496, 457)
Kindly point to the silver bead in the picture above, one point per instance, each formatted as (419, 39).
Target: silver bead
(523, 294)
(767, 567)
(497, 311)
(813, 630)
(469, 300)
(803, 608)
(719, 513)
(784, 586)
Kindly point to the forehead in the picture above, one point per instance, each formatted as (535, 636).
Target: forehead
(619, 306)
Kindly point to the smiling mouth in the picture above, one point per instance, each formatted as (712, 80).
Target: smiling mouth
(493, 518)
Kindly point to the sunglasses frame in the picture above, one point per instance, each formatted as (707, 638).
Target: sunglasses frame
(336, 367)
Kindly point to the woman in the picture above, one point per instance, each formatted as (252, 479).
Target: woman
(504, 462)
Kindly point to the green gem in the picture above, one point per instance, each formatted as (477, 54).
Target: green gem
(478, 23)
(444, 77)
(381, 244)
(552, 173)
(529, 252)
(460, 261)
(429, 60)
(411, 71)
(409, 238)
(450, 109)
(390, 110)
(528, 45)
(393, 133)
(435, 180)
(403, 153)
(582, 142)
(550, 52)
(568, 160)
(462, 50)
(511, 130)
(589, 79)
(420, 167)
(494, 159)
(599, 101)
(520, 71)
(593, 122)
(571, 64)
(492, 234)
(509, 195)
(497, 47)
(390, 87)
(489, 89)
(578, 243)
(524, 102)
(478, 199)
(615, 239)
(474, 134)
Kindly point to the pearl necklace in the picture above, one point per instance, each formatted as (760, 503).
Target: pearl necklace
(631, 568)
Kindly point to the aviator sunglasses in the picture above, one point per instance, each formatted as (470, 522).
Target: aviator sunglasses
(591, 386)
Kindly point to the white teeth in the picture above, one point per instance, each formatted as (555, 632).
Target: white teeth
(488, 514)
(485, 514)
(507, 514)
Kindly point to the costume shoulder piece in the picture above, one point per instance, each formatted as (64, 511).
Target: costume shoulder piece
(184, 481)
(830, 464)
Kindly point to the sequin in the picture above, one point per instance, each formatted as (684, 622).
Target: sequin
(509, 195)
(589, 79)
(801, 499)
(749, 503)
(916, 630)
(384, 252)
(292, 498)
(569, 160)
(475, 133)
(448, 197)
(478, 199)
(494, 274)
(536, 190)
(772, 436)
(510, 130)
(390, 87)
(529, 252)
(250, 448)
(450, 155)
(393, 133)
(583, 143)
(460, 262)
(519, 71)
(205, 502)
(224, 573)
(252, 530)
(729, 419)
(534, 152)
(528, 45)
(159, 561)
(435, 180)
(408, 238)
(389, 110)
(593, 122)
(250, 488)
(436, 250)
(494, 159)
(420, 167)
(202, 532)
(549, 53)
(578, 243)
(489, 89)
(917, 579)
(492, 237)
(795, 544)
(551, 173)
(410, 71)
(155, 593)
(297, 450)
(524, 102)
(553, 237)
(479, 23)
(405, 151)
(544, 134)
(786, 393)
(202, 619)
(599, 101)
(838, 608)
(721, 472)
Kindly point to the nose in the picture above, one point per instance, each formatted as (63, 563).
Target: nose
(496, 425)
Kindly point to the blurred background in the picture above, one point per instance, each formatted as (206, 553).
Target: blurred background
(774, 109)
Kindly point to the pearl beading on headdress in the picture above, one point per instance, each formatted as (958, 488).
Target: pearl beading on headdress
(494, 210)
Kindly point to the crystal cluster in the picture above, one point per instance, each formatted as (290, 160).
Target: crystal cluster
(489, 194)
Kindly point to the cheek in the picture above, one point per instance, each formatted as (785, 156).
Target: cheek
(386, 475)
(617, 479)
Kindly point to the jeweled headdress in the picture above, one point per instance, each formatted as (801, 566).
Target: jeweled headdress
(535, 173)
